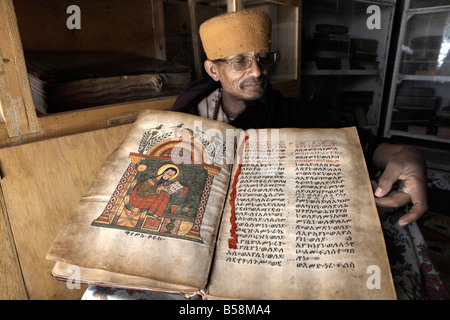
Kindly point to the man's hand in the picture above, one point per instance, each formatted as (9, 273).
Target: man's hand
(404, 166)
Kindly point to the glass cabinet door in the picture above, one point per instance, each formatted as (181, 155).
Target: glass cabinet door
(345, 44)
(419, 104)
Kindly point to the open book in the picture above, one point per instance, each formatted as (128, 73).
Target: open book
(190, 205)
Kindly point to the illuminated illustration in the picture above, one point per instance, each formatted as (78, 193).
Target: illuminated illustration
(165, 189)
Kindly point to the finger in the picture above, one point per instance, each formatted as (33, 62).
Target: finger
(374, 185)
(420, 206)
(394, 199)
(416, 211)
(416, 186)
(389, 176)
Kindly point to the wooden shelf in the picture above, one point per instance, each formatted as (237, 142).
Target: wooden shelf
(340, 72)
(416, 136)
(403, 77)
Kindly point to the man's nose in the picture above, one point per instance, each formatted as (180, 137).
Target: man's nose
(255, 69)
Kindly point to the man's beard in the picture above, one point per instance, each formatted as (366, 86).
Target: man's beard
(253, 102)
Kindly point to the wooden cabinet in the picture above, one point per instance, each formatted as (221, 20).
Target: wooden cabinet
(136, 26)
(19, 121)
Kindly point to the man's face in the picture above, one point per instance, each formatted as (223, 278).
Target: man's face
(168, 174)
(247, 84)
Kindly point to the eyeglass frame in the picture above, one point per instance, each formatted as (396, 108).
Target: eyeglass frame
(276, 55)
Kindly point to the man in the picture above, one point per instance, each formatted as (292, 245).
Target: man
(237, 91)
(154, 194)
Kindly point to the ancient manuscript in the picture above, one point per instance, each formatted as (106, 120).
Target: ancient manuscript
(191, 205)
(303, 221)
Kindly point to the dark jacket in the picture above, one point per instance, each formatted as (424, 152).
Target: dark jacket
(276, 111)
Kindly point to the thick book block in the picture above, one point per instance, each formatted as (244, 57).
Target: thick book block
(191, 205)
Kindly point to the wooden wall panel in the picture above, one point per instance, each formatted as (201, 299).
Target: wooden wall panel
(115, 25)
(12, 285)
(16, 103)
(42, 183)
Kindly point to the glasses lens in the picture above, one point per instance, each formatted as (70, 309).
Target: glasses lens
(267, 58)
(242, 62)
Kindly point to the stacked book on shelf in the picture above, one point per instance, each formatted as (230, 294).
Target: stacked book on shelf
(331, 48)
(64, 81)
(363, 54)
(443, 124)
(421, 56)
(415, 108)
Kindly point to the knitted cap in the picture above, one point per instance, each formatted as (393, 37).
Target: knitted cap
(236, 32)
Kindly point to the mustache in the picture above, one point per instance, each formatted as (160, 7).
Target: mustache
(261, 80)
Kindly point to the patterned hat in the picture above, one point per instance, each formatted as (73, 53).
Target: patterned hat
(236, 32)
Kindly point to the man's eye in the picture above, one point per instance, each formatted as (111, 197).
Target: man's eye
(265, 58)
(240, 60)
(241, 63)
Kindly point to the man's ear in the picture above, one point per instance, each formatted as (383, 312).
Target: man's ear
(212, 70)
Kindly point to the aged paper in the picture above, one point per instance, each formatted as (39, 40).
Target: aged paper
(154, 208)
(297, 214)
(305, 225)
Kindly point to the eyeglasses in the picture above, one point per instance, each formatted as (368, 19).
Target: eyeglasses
(242, 62)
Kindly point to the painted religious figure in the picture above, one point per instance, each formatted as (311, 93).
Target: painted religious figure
(165, 189)
(154, 194)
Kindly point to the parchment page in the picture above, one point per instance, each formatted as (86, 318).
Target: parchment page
(154, 209)
(306, 222)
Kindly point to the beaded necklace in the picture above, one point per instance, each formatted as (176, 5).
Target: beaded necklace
(219, 105)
